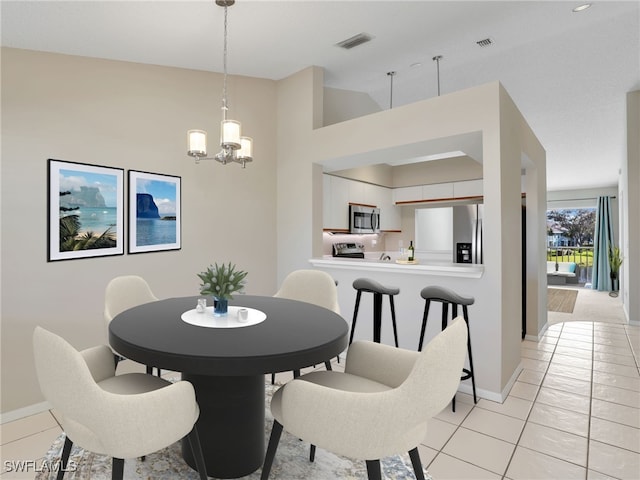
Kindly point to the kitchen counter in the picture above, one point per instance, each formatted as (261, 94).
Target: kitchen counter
(466, 279)
(424, 268)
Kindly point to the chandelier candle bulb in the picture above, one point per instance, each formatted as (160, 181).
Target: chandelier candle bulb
(246, 147)
(197, 140)
(234, 148)
(230, 134)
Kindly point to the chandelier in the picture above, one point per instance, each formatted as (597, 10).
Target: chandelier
(233, 147)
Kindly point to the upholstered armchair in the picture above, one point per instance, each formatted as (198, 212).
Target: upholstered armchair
(123, 416)
(378, 407)
(125, 292)
(310, 286)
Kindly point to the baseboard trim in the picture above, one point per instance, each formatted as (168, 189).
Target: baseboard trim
(24, 412)
(536, 338)
(514, 378)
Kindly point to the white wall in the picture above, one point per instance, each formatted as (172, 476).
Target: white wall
(629, 191)
(340, 105)
(135, 117)
(505, 135)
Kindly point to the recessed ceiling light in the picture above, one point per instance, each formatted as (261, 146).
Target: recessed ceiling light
(416, 65)
(582, 7)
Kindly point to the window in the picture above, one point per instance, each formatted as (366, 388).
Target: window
(570, 227)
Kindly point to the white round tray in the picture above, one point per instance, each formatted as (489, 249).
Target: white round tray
(230, 320)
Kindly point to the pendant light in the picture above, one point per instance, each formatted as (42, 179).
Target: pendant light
(437, 59)
(234, 147)
(391, 74)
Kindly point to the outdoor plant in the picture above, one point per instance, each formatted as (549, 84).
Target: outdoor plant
(615, 260)
(222, 281)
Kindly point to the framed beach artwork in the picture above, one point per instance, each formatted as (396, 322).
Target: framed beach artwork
(85, 210)
(154, 212)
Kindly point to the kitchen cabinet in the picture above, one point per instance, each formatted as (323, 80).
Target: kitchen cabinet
(356, 191)
(469, 188)
(326, 201)
(335, 202)
(390, 218)
(338, 192)
(437, 191)
(407, 194)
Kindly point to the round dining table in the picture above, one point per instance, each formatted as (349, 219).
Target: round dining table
(226, 360)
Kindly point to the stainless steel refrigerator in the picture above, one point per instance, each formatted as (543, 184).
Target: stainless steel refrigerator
(467, 233)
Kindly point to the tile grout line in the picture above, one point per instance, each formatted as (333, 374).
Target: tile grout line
(526, 421)
(449, 439)
(633, 352)
(616, 403)
(591, 407)
(593, 354)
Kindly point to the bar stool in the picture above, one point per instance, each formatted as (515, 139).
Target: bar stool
(446, 296)
(378, 290)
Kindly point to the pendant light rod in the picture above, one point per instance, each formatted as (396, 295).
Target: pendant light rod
(391, 75)
(437, 59)
(225, 108)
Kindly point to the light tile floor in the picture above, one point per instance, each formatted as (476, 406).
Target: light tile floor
(573, 413)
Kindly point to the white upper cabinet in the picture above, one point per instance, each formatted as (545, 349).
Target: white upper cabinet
(390, 214)
(407, 194)
(469, 188)
(437, 191)
(339, 192)
(335, 204)
(326, 201)
(356, 191)
(382, 197)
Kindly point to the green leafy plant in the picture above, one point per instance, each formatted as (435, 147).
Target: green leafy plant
(222, 281)
(615, 260)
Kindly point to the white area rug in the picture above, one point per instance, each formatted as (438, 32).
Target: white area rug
(291, 462)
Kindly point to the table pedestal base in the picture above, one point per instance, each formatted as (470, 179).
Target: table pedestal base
(231, 424)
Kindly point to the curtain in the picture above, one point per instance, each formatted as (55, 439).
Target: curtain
(602, 241)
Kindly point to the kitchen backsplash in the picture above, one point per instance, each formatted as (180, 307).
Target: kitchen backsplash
(388, 242)
(373, 242)
(377, 243)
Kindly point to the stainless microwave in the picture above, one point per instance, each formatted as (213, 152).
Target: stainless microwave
(363, 219)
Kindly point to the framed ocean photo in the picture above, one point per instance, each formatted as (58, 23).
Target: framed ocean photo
(85, 210)
(154, 212)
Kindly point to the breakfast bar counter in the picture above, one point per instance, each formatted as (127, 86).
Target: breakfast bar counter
(465, 270)
(469, 280)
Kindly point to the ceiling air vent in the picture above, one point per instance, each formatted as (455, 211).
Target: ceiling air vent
(485, 42)
(354, 41)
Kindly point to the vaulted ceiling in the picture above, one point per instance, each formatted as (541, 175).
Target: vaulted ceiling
(567, 72)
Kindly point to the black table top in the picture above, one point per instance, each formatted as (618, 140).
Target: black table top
(293, 336)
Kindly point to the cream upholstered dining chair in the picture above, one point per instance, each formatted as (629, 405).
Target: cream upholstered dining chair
(378, 407)
(311, 286)
(124, 292)
(123, 416)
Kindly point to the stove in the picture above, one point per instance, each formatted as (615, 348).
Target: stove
(348, 250)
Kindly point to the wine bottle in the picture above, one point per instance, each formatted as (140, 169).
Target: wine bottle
(411, 251)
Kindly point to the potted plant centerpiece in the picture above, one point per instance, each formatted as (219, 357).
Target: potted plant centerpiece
(221, 281)
(615, 260)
